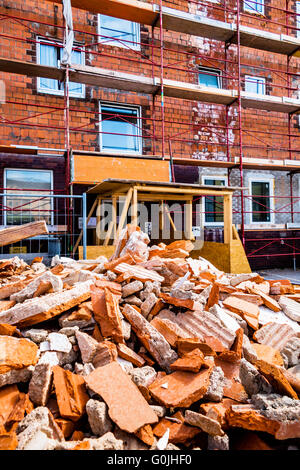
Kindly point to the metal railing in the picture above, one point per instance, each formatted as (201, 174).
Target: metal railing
(65, 216)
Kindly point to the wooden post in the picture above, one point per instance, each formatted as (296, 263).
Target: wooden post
(114, 214)
(134, 207)
(188, 218)
(228, 218)
(98, 219)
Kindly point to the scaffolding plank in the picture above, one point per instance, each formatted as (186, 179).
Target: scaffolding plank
(19, 232)
(197, 25)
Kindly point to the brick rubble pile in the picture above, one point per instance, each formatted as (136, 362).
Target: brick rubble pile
(151, 349)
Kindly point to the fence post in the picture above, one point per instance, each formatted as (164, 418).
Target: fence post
(84, 227)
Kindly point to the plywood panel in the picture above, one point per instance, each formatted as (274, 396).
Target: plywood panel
(93, 251)
(94, 169)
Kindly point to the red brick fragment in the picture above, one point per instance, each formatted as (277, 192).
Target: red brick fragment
(70, 393)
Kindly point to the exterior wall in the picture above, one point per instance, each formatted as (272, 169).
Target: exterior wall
(196, 130)
(193, 129)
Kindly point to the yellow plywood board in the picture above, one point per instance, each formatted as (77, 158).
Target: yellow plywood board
(92, 252)
(90, 169)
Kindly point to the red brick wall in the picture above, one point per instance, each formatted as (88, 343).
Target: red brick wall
(195, 129)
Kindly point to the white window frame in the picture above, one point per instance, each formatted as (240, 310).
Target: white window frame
(271, 182)
(136, 46)
(207, 70)
(212, 177)
(139, 129)
(7, 195)
(250, 7)
(40, 89)
(258, 79)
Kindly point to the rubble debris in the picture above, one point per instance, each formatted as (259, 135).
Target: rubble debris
(150, 349)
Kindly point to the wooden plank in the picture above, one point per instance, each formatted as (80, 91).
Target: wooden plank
(124, 212)
(227, 218)
(93, 169)
(20, 232)
(134, 206)
(189, 219)
(87, 221)
(131, 10)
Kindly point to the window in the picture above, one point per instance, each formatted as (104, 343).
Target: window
(255, 85)
(255, 6)
(261, 191)
(48, 54)
(120, 129)
(36, 183)
(209, 77)
(118, 32)
(213, 205)
(298, 19)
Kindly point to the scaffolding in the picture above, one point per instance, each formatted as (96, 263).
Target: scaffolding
(155, 58)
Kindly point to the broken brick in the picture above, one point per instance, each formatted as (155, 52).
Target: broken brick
(180, 389)
(191, 361)
(70, 393)
(127, 407)
(16, 353)
(126, 353)
(179, 433)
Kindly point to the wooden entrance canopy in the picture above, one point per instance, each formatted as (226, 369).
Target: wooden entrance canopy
(139, 191)
(228, 256)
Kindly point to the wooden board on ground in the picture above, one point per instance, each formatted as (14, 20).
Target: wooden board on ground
(20, 232)
(92, 252)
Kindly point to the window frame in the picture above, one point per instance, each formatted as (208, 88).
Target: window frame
(250, 9)
(212, 177)
(72, 94)
(211, 69)
(271, 181)
(7, 195)
(258, 79)
(297, 5)
(139, 128)
(136, 46)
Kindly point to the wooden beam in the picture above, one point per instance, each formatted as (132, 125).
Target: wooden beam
(188, 216)
(98, 221)
(228, 218)
(194, 192)
(20, 232)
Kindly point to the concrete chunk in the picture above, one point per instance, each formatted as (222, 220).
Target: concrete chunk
(36, 310)
(208, 425)
(59, 343)
(40, 384)
(46, 280)
(98, 417)
(151, 339)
